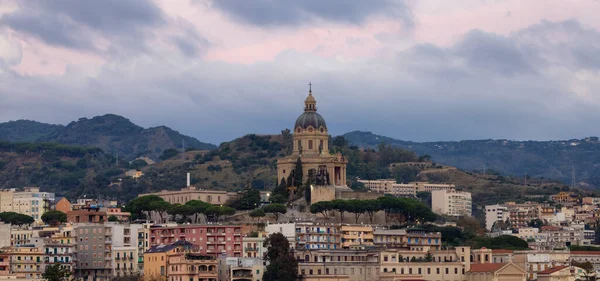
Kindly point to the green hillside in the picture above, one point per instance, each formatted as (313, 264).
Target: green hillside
(25, 130)
(546, 159)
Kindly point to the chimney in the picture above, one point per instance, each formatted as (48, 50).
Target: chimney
(188, 179)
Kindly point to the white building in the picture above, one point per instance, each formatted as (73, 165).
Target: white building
(389, 186)
(287, 229)
(31, 202)
(451, 202)
(495, 213)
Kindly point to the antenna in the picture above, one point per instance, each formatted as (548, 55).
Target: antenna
(573, 177)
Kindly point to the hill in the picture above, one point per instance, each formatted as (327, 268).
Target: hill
(112, 133)
(25, 130)
(541, 159)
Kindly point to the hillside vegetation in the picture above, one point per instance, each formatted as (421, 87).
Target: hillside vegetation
(539, 159)
(112, 133)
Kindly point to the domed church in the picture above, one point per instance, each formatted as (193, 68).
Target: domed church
(311, 145)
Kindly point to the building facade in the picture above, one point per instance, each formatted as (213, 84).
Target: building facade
(451, 202)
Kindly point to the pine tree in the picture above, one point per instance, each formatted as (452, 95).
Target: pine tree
(282, 264)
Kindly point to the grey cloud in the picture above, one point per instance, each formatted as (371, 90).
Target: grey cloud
(188, 41)
(278, 12)
(71, 23)
(425, 93)
(487, 51)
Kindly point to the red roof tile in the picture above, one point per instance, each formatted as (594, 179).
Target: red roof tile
(486, 267)
(552, 269)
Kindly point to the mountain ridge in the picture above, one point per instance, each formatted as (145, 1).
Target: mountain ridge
(112, 133)
(554, 159)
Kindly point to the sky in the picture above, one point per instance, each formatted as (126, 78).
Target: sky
(421, 70)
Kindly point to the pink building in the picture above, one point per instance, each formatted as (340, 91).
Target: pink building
(212, 239)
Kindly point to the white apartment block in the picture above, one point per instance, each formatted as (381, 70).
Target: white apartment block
(495, 213)
(29, 202)
(451, 202)
(389, 186)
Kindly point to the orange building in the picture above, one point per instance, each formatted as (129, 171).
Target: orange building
(87, 215)
(156, 259)
(63, 205)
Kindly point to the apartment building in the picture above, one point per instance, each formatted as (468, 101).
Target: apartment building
(59, 248)
(29, 202)
(254, 247)
(125, 261)
(318, 236)
(414, 239)
(340, 264)
(211, 239)
(241, 269)
(157, 259)
(88, 214)
(356, 236)
(591, 200)
(26, 261)
(389, 186)
(4, 264)
(20, 236)
(451, 202)
(192, 266)
(93, 252)
(495, 213)
(287, 229)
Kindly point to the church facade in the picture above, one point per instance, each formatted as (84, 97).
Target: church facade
(311, 146)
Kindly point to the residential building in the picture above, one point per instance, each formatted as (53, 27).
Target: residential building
(287, 229)
(242, 269)
(59, 248)
(192, 266)
(156, 259)
(591, 200)
(584, 256)
(32, 202)
(93, 252)
(389, 186)
(4, 264)
(5, 238)
(318, 236)
(134, 174)
(535, 261)
(495, 213)
(125, 261)
(118, 213)
(254, 247)
(495, 272)
(451, 202)
(26, 261)
(211, 239)
(340, 264)
(412, 239)
(565, 198)
(399, 264)
(561, 273)
(6, 200)
(89, 214)
(21, 236)
(63, 205)
(383, 186)
(356, 236)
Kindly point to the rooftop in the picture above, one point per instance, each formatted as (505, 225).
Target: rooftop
(486, 267)
(553, 269)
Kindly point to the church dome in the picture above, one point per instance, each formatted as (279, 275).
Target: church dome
(310, 118)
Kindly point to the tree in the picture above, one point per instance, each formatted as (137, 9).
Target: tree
(54, 218)
(282, 264)
(258, 213)
(537, 223)
(341, 206)
(248, 200)
(16, 218)
(298, 174)
(278, 198)
(428, 257)
(168, 153)
(282, 189)
(215, 212)
(357, 208)
(141, 205)
(180, 210)
(322, 207)
(588, 268)
(159, 206)
(371, 207)
(197, 207)
(276, 209)
(113, 218)
(56, 272)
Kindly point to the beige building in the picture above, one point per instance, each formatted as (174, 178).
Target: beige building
(356, 236)
(350, 265)
(451, 202)
(254, 247)
(241, 269)
(29, 202)
(495, 213)
(136, 174)
(310, 145)
(215, 197)
(408, 239)
(389, 186)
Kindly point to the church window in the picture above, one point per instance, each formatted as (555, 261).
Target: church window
(322, 129)
(310, 144)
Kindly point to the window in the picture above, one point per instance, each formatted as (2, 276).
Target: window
(428, 270)
(446, 270)
(455, 270)
(310, 144)
(437, 271)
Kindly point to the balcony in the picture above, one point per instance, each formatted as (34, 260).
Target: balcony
(251, 249)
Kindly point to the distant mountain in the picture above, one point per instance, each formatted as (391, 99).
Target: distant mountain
(112, 133)
(548, 159)
(25, 130)
(116, 134)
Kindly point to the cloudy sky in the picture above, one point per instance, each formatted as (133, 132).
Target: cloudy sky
(416, 70)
